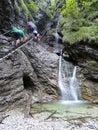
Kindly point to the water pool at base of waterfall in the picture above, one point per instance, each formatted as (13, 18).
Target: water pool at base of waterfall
(66, 110)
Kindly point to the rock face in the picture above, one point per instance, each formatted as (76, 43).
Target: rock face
(31, 68)
(87, 58)
(85, 55)
(35, 69)
(6, 13)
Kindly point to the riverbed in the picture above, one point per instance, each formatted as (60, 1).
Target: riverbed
(53, 116)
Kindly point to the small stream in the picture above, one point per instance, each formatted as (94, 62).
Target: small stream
(67, 111)
(70, 106)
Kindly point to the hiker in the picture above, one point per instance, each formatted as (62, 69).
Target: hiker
(36, 35)
(19, 35)
(32, 28)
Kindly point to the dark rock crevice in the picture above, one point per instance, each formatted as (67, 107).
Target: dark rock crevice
(28, 83)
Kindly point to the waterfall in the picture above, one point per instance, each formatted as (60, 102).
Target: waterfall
(56, 35)
(67, 81)
(60, 80)
(74, 85)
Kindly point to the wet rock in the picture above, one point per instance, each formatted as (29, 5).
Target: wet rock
(85, 54)
(95, 101)
(91, 126)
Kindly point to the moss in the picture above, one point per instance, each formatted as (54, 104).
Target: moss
(1, 46)
(50, 12)
(32, 5)
(92, 62)
(21, 6)
(24, 7)
(50, 7)
(17, 7)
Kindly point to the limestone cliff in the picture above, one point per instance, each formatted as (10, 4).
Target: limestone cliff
(30, 69)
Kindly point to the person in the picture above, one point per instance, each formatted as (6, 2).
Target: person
(19, 35)
(32, 29)
(36, 35)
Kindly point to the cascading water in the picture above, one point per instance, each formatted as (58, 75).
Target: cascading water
(74, 85)
(60, 80)
(56, 41)
(67, 81)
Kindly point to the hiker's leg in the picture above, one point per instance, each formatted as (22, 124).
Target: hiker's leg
(17, 37)
(13, 42)
(17, 41)
(26, 37)
(22, 39)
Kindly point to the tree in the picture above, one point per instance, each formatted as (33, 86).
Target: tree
(79, 20)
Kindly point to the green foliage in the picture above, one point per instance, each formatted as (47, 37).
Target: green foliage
(1, 46)
(49, 7)
(86, 3)
(51, 11)
(89, 6)
(17, 7)
(92, 15)
(79, 22)
(70, 9)
(32, 5)
(26, 6)
(93, 62)
(83, 33)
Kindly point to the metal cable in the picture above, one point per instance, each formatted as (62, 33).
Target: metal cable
(15, 50)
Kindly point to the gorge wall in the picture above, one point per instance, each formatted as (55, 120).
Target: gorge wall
(30, 69)
(84, 54)
(7, 13)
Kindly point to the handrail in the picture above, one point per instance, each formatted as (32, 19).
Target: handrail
(15, 50)
(18, 47)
